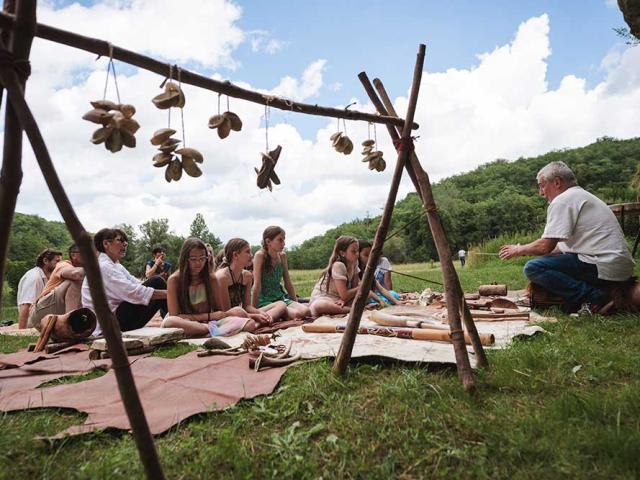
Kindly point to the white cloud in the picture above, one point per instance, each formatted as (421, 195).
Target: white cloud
(503, 107)
(308, 86)
(164, 29)
(261, 41)
(500, 108)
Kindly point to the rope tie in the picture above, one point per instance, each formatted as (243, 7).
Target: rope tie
(404, 144)
(456, 331)
(21, 66)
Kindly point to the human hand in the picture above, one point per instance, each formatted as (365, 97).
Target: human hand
(339, 302)
(509, 251)
(262, 318)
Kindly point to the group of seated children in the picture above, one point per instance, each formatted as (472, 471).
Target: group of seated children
(205, 297)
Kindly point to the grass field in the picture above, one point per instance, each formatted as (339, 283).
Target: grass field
(562, 405)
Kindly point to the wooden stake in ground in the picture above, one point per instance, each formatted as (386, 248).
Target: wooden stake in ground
(110, 328)
(455, 302)
(405, 146)
(19, 41)
(414, 164)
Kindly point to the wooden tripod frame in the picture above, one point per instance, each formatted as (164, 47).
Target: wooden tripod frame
(19, 26)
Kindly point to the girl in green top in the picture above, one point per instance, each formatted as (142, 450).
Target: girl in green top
(269, 270)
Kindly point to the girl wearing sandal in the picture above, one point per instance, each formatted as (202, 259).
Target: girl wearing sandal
(193, 298)
(235, 284)
(270, 268)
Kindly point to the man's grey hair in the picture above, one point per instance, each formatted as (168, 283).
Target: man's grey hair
(558, 170)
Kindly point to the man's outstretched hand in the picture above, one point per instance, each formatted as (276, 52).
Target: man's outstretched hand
(509, 251)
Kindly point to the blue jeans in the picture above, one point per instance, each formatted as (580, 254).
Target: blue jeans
(568, 277)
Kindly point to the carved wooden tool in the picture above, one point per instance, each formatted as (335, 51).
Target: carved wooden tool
(389, 320)
(406, 333)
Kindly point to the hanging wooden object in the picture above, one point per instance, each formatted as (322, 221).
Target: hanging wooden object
(173, 96)
(267, 174)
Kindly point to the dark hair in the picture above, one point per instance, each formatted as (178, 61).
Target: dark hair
(184, 302)
(107, 234)
(269, 234)
(219, 259)
(46, 254)
(158, 249)
(234, 245)
(341, 245)
(73, 249)
(362, 244)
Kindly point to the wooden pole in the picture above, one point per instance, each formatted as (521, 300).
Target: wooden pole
(349, 337)
(470, 325)
(110, 328)
(11, 173)
(101, 47)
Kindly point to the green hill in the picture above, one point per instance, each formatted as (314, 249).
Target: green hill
(497, 198)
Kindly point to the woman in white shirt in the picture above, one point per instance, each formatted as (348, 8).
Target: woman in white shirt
(132, 302)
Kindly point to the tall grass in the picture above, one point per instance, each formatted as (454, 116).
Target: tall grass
(487, 252)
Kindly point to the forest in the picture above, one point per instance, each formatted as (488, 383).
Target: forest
(498, 198)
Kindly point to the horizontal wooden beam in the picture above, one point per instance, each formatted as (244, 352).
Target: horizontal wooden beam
(102, 47)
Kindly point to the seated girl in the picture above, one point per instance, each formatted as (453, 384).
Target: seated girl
(235, 284)
(193, 298)
(270, 268)
(337, 287)
(380, 294)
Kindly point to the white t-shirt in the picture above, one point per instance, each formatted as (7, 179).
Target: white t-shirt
(461, 253)
(30, 285)
(383, 267)
(585, 225)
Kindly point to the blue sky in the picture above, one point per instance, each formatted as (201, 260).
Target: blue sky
(381, 38)
(502, 79)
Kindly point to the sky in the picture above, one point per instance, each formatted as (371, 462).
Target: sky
(501, 79)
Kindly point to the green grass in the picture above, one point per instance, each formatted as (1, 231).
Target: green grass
(561, 405)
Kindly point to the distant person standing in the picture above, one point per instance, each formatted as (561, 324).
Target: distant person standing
(158, 266)
(33, 281)
(462, 255)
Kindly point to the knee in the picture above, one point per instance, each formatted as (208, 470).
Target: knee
(156, 282)
(250, 326)
(237, 312)
(532, 268)
(170, 322)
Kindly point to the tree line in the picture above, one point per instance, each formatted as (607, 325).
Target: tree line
(30, 234)
(498, 198)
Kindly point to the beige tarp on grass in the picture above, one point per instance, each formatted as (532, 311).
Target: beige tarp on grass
(318, 345)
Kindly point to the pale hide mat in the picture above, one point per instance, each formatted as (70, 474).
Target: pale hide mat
(318, 345)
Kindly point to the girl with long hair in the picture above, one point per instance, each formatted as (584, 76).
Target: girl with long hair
(337, 287)
(235, 284)
(270, 268)
(193, 298)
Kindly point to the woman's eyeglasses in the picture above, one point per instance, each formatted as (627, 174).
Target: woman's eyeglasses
(200, 259)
